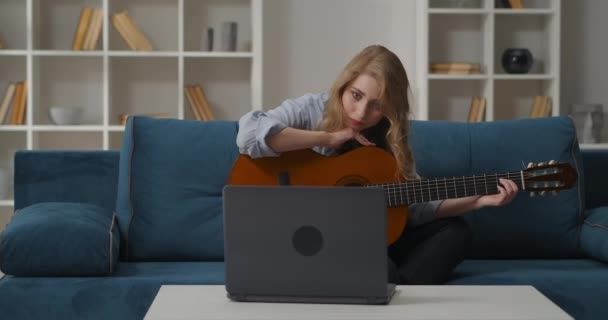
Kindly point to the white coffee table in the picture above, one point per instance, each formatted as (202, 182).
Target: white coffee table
(410, 302)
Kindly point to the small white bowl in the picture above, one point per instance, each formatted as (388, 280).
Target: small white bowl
(66, 115)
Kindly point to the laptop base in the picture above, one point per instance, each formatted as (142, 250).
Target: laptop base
(316, 299)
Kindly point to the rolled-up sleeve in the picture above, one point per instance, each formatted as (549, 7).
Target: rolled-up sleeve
(256, 126)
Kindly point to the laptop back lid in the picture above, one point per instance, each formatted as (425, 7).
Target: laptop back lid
(305, 241)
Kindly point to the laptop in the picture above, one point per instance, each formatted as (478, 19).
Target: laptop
(306, 244)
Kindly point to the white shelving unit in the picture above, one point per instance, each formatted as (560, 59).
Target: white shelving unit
(478, 32)
(113, 80)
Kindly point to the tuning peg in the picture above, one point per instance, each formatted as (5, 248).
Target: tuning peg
(531, 165)
(542, 164)
(532, 194)
(542, 193)
(552, 162)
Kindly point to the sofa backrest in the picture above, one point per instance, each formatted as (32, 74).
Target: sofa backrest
(66, 176)
(169, 201)
(538, 227)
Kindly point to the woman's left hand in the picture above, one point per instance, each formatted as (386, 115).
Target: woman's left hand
(505, 195)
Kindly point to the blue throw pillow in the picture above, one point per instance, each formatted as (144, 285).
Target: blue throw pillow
(171, 175)
(60, 239)
(594, 237)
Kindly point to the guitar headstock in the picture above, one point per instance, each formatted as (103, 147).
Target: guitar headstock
(549, 177)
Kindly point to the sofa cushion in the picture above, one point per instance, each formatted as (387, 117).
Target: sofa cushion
(171, 175)
(594, 236)
(538, 227)
(60, 239)
(127, 294)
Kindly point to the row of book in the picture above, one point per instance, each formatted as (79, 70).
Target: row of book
(198, 102)
(455, 68)
(89, 28)
(541, 108)
(15, 96)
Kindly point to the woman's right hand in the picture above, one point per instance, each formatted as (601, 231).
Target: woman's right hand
(337, 138)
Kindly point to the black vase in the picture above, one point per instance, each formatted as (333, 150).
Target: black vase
(517, 60)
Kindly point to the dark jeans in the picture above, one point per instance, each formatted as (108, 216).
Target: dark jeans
(428, 253)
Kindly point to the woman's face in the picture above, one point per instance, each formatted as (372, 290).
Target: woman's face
(361, 103)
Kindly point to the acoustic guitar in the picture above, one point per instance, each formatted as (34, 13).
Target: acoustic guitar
(375, 168)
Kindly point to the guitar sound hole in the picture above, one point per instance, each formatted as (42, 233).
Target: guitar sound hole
(353, 181)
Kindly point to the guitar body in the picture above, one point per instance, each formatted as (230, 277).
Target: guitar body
(362, 166)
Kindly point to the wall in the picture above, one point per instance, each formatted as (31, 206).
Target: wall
(307, 43)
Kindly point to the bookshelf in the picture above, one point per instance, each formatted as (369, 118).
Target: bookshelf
(113, 79)
(476, 31)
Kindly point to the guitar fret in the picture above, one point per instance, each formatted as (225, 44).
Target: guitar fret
(465, 186)
(445, 183)
(429, 189)
(407, 193)
(437, 189)
(486, 183)
(474, 185)
(455, 191)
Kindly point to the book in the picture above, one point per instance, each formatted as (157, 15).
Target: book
(473, 109)
(124, 32)
(81, 30)
(192, 101)
(22, 103)
(139, 39)
(94, 30)
(16, 103)
(8, 96)
(542, 107)
(516, 4)
(122, 118)
(202, 99)
(477, 109)
(455, 68)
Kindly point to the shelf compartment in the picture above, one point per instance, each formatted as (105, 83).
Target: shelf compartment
(200, 15)
(457, 38)
(11, 142)
(156, 19)
(116, 140)
(56, 21)
(143, 86)
(68, 81)
(225, 82)
(13, 28)
(456, 4)
(513, 99)
(525, 31)
(67, 140)
(451, 100)
(13, 70)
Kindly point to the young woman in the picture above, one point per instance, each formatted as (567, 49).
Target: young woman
(368, 105)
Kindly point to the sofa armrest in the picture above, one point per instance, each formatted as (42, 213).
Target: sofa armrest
(66, 176)
(594, 234)
(596, 177)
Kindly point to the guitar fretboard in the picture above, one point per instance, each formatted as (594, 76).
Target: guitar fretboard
(424, 190)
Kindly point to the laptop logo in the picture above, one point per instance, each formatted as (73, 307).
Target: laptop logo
(307, 240)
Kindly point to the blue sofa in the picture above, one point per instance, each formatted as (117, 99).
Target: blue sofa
(162, 193)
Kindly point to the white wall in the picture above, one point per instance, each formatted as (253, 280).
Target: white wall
(584, 52)
(307, 43)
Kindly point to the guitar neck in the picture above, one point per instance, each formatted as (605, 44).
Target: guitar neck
(416, 191)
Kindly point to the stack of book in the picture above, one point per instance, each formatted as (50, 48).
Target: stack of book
(17, 93)
(455, 68)
(542, 107)
(198, 102)
(477, 109)
(130, 33)
(88, 29)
